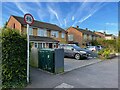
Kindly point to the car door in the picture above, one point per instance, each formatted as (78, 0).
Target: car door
(69, 51)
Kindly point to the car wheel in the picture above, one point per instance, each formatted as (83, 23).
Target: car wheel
(77, 56)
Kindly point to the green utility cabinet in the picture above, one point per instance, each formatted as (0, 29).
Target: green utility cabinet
(51, 60)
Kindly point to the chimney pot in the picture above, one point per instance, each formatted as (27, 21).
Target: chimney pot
(86, 28)
(77, 26)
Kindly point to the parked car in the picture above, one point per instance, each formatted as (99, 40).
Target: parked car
(95, 48)
(92, 48)
(72, 50)
(100, 47)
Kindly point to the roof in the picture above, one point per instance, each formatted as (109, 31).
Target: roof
(42, 39)
(86, 31)
(108, 34)
(100, 33)
(40, 24)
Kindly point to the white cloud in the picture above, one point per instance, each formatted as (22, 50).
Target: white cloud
(55, 13)
(21, 7)
(87, 10)
(65, 22)
(112, 24)
(73, 18)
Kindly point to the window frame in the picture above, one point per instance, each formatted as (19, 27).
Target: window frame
(62, 35)
(42, 32)
(55, 32)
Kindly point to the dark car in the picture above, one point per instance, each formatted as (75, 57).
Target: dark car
(74, 51)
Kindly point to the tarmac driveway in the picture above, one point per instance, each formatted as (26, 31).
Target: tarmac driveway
(71, 64)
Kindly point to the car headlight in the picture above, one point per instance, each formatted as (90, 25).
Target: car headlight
(83, 52)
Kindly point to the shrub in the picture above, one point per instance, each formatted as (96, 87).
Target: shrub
(14, 59)
(105, 53)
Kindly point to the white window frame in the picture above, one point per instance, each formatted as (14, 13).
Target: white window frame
(54, 32)
(63, 35)
(90, 37)
(42, 30)
(85, 36)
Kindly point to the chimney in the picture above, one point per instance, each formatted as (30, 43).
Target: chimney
(77, 26)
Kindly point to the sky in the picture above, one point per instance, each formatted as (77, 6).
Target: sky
(96, 16)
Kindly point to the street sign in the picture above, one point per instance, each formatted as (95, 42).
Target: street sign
(28, 18)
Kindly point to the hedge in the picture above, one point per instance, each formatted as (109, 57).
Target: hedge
(14, 59)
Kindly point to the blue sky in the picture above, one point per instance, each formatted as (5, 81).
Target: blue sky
(96, 16)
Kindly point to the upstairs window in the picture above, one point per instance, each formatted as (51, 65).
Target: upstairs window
(54, 34)
(63, 35)
(42, 32)
(90, 37)
(14, 25)
(85, 36)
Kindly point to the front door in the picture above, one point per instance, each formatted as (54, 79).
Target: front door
(50, 45)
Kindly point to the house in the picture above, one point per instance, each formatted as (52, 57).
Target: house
(82, 36)
(42, 35)
(109, 37)
(101, 34)
(106, 36)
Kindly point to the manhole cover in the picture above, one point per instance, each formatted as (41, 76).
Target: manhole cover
(64, 85)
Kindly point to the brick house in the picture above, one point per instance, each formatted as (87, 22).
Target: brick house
(106, 36)
(43, 35)
(81, 36)
(110, 37)
(101, 34)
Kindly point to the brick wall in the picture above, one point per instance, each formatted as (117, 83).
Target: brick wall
(77, 36)
(13, 23)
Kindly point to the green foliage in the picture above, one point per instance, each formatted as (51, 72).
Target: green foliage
(14, 55)
(104, 53)
(118, 44)
(111, 44)
(95, 43)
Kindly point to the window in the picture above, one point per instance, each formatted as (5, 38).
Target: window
(43, 45)
(14, 25)
(30, 31)
(69, 47)
(42, 32)
(36, 45)
(40, 45)
(85, 36)
(90, 37)
(70, 37)
(54, 34)
(63, 35)
(94, 37)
